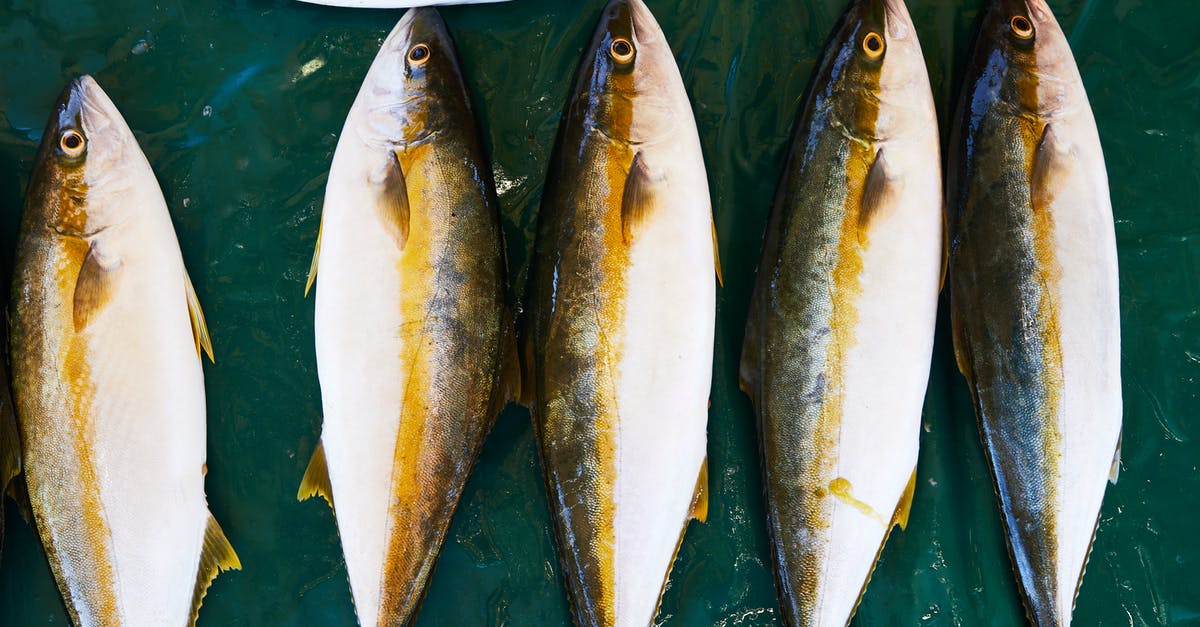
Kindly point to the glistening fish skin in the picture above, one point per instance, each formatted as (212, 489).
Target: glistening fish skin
(107, 379)
(620, 334)
(411, 317)
(1033, 276)
(840, 332)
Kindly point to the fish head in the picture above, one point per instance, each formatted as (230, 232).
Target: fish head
(414, 84)
(871, 58)
(86, 161)
(1024, 37)
(624, 86)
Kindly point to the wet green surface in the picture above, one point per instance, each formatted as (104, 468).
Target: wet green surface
(238, 106)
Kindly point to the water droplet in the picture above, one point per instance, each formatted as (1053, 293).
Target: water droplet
(141, 47)
(206, 111)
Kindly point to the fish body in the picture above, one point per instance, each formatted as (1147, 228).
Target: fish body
(1034, 295)
(620, 333)
(107, 378)
(411, 317)
(840, 332)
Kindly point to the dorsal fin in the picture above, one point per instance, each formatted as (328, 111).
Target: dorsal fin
(699, 509)
(216, 557)
(312, 267)
(880, 193)
(642, 185)
(199, 325)
(316, 478)
(393, 202)
(93, 286)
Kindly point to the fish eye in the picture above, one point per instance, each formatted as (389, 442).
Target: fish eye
(1021, 27)
(418, 55)
(621, 50)
(873, 45)
(72, 142)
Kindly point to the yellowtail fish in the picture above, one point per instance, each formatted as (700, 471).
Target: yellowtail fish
(1034, 301)
(412, 324)
(107, 336)
(840, 331)
(620, 334)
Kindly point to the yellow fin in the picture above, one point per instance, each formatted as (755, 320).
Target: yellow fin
(216, 557)
(904, 506)
(508, 384)
(312, 267)
(700, 499)
(945, 249)
(641, 187)
(93, 287)
(316, 478)
(393, 205)
(717, 256)
(199, 326)
(880, 192)
(10, 443)
(1051, 164)
(1115, 470)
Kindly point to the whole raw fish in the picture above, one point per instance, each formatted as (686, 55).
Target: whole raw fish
(411, 317)
(620, 334)
(1034, 302)
(107, 379)
(840, 331)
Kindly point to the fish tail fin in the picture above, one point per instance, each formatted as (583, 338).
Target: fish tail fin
(216, 557)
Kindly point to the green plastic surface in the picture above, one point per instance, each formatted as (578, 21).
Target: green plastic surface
(238, 106)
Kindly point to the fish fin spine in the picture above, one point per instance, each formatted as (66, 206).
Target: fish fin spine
(316, 478)
(508, 383)
(216, 557)
(642, 187)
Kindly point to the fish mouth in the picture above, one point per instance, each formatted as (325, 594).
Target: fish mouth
(419, 24)
(89, 105)
(645, 27)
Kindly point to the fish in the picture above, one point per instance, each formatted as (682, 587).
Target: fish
(1034, 295)
(840, 328)
(416, 350)
(621, 307)
(107, 335)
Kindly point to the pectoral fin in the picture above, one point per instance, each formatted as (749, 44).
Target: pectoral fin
(1052, 163)
(199, 325)
(393, 202)
(93, 286)
(312, 267)
(881, 191)
(699, 509)
(642, 186)
(10, 444)
(216, 557)
(316, 478)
